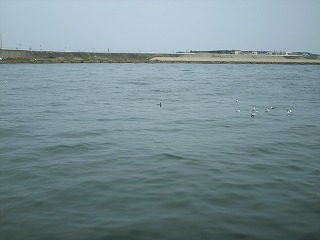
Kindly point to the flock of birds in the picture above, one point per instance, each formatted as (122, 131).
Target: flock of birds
(266, 110)
(254, 110)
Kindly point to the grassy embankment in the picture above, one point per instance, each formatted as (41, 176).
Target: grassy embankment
(83, 59)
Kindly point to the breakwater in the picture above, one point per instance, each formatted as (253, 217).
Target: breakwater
(28, 56)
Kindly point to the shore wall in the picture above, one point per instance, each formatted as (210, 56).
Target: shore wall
(26, 56)
(238, 59)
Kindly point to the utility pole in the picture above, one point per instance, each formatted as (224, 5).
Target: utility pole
(1, 46)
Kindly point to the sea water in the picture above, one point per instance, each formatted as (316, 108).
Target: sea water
(87, 152)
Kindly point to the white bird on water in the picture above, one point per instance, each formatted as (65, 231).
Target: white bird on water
(254, 110)
(266, 110)
(289, 112)
(238, 110)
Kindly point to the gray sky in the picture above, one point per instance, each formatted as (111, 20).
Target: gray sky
(161, 25)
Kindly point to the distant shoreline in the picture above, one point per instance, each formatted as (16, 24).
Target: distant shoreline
(41, 57)
(229, 59)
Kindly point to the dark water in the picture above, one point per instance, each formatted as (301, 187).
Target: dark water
(86, 152)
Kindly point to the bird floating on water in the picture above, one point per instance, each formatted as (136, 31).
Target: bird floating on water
(254, 112)
(160, 104)
(272, 107)
(289, 112)
(266, 110)
(238, 110)
(237, 100)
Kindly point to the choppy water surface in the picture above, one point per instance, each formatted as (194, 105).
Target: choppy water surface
(86, 152)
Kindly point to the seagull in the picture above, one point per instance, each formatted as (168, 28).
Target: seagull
(159, 104)
(272, 107)
(289, 112)
(266, 110)
(237, 100)
(254, 110)
(238, 110)
(253, 114)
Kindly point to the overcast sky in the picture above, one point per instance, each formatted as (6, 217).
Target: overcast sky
(161, 25)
